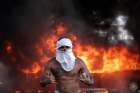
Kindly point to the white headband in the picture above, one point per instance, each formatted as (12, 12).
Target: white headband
(64, 42)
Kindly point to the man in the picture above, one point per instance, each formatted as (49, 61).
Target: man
(66, 69)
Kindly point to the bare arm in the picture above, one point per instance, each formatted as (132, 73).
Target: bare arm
(47, 76)
(85, 75)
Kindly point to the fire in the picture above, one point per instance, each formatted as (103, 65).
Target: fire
(101, 60)
(60, 28)
(34, 69)
(46, 46)
(98, 59)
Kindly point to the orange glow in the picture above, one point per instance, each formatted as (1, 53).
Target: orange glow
(46, 44)
(8, 47)
(34, 69)
(17, 91)
(60, 28)
(98, 59)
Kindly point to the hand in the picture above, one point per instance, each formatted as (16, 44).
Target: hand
(86, 78)
(44, 82)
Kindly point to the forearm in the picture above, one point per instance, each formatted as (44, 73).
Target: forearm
(45, 79)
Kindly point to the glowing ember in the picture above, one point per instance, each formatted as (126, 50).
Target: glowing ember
(8, 47)
(34, 69)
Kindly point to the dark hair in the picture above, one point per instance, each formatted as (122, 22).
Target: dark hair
(62, 38)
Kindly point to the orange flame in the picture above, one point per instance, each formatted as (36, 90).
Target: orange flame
(48, 42)
(44, 45)
(34, 69)
(98, 59)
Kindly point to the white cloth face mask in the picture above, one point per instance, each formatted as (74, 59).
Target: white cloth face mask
(65, 58)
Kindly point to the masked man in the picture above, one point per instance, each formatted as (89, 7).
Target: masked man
(66, 70)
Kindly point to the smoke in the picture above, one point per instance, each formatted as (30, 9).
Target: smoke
(28, 18)
(121, 33)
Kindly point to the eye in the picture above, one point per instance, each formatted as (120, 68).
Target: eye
(63, 47)
(67, 47)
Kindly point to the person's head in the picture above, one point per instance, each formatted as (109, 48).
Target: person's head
(64, 44)
(64, 54)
